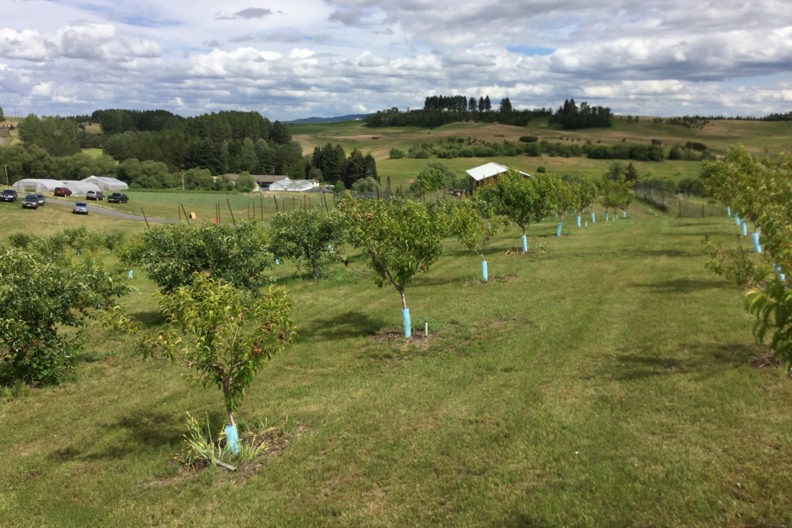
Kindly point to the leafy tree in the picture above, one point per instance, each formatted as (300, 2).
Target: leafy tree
(366, 185)
(44, 293)
(310, 237)
(400, 239)
(245, 182)
(472, 105)
(760, 192)
(56, 135)
(472, 221)
(396, 153)
(505, 105)
(170, 254)
(430, 179)
(198, 179)
(223, 334)
(2, 116)
(523, 200)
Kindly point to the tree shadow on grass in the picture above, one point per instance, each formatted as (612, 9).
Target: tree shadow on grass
(524, 520)
(149, 319)
(703, 361)
(683, 285)
(139, 432)
(348, 324)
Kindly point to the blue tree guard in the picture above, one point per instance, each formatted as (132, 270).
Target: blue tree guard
(593, 218)
(525, 243)
(728, 211)
(737, 220)
(406, 322)
(744, 228)
(484, 270)
(558, 231)
(607, 217)
(578, 221)
(624, 214)
(757, 247)
(232, 438)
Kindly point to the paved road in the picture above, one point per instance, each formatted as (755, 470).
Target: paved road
(95, 208)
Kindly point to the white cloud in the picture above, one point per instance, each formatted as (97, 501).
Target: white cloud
(43, 89)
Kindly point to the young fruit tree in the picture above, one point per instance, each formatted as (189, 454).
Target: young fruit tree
(564, 200)
(310, 237)
(224, 335)
(761, 192)
(471, 221)
(400, 239)
(45, 293)
(522, 200)
(171, 254)
(585, 194)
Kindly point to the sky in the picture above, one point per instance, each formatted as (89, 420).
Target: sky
(291, 59)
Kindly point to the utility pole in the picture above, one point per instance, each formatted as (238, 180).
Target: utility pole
(6, 173)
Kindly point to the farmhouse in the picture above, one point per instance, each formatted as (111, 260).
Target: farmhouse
(488, 173)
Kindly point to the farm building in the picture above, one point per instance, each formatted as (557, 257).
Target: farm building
(79, 188)
(36, 184)
(287, 184)
(106, 183)
(262, 180)
(488, 173)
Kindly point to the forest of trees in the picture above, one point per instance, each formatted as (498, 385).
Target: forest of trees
(571, 116)
(443, 109)
(157, 149)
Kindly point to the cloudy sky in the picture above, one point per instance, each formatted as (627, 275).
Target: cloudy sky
(300, 58)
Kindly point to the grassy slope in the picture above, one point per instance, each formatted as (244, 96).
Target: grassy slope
(608, 383)
(761, 138)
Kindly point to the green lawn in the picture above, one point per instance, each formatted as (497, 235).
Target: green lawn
(603, 379)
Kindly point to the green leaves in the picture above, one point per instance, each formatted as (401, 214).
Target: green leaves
(310, 237)
(40, 295)
(171, 254)
(400, 238)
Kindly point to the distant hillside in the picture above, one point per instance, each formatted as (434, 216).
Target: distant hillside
(317, 120)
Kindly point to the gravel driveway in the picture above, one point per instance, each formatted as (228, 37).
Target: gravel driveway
(94, 207)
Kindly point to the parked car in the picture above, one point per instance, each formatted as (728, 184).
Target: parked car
(8, 195)
(80, 208)
(40, 198)
(30, 202)
(94, 195)
(62, 191)
(118, 198)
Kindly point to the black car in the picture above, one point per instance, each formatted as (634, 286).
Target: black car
(40, 198)
(8, 195)
(118, 198)
(94, 195)
(30, 202)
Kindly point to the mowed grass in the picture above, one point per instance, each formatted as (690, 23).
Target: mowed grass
(603, 379)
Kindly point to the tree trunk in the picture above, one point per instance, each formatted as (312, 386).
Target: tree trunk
(404, 300)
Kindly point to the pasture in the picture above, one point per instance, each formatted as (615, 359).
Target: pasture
(604, 378)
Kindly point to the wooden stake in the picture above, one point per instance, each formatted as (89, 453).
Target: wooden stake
(231, 211)
(144, 218)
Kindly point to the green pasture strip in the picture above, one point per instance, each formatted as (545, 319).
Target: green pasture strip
(602, 379)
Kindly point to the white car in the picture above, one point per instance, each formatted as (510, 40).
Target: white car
(80, 208)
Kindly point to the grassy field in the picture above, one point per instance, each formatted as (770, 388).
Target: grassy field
(602, 379)
(760, 137)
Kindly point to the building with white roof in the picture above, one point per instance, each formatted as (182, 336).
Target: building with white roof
(488, 173)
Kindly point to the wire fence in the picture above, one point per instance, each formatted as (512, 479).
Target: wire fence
(677, 204)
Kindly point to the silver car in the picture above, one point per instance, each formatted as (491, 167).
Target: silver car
(80, 208)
